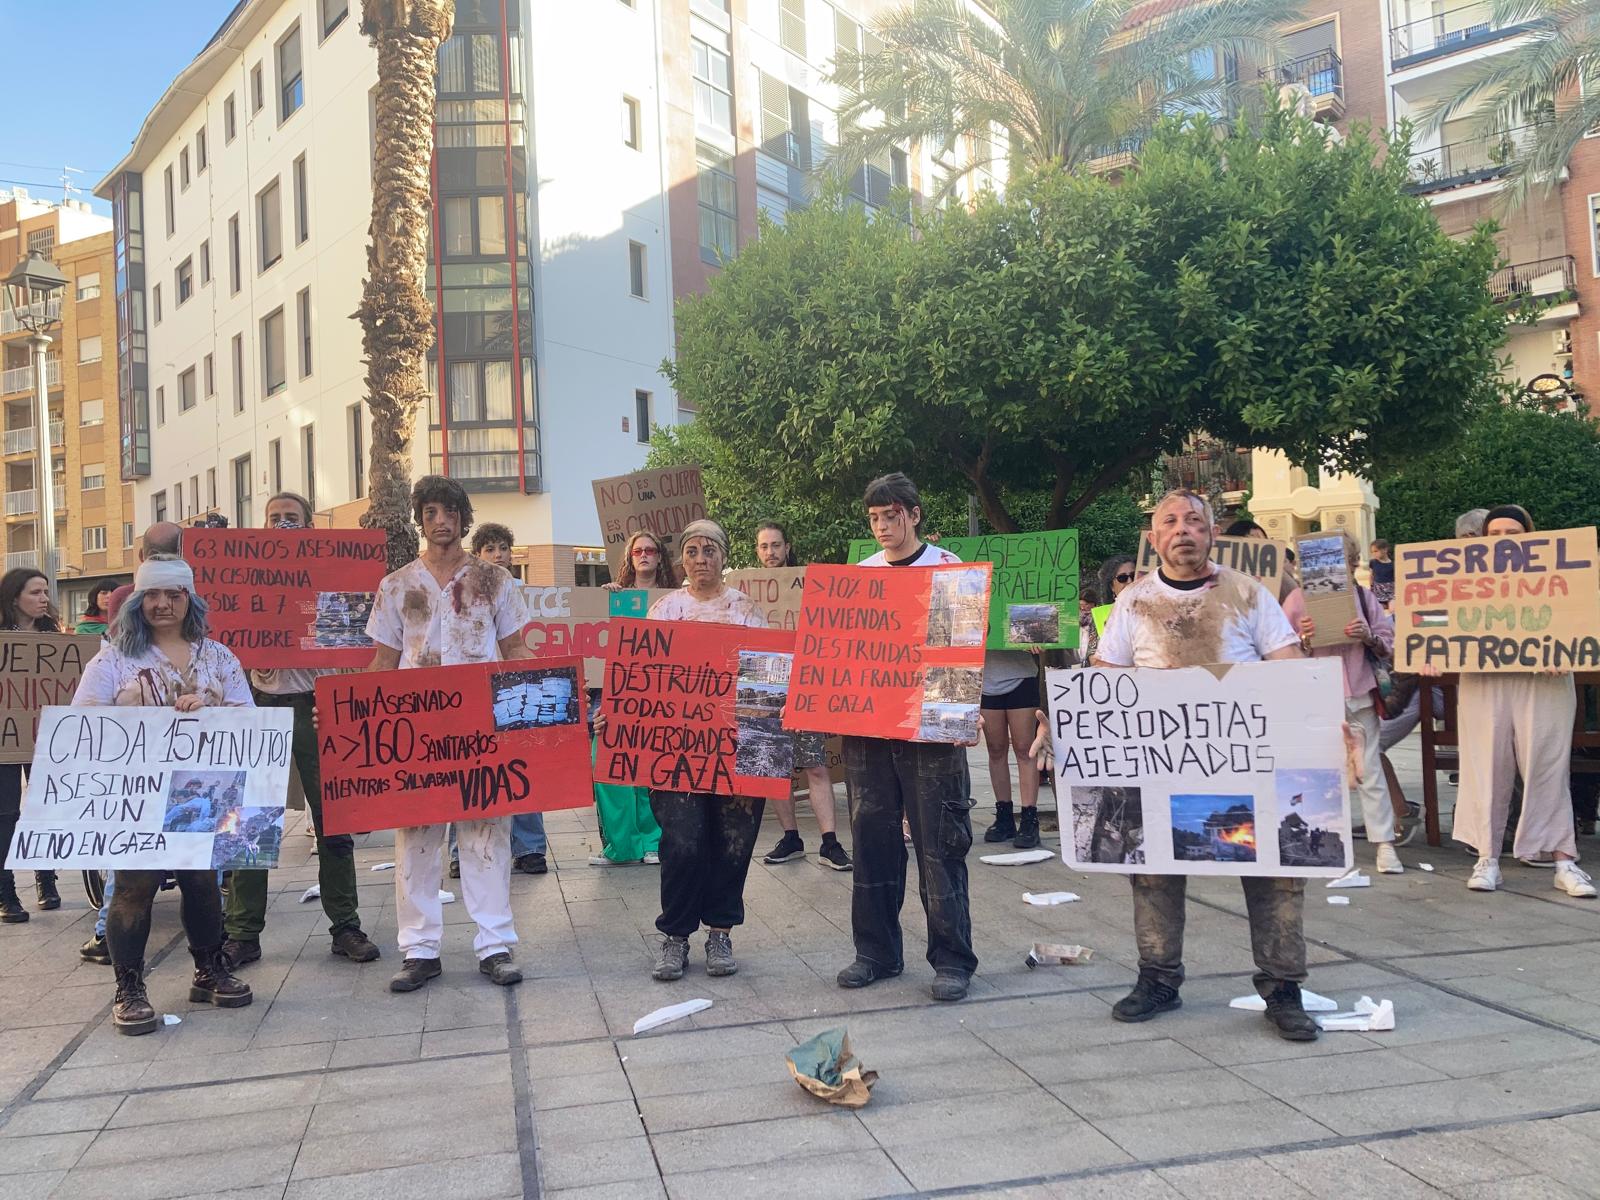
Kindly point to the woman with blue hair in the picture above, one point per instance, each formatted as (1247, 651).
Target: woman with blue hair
(159, 656)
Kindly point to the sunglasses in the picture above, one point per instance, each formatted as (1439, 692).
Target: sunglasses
(646, 552)
(1126, 577)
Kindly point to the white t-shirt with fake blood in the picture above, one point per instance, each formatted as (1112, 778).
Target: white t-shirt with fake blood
(1229, 618)
(929, 556)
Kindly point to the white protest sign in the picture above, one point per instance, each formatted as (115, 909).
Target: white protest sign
(155, 789)
(1236, 770)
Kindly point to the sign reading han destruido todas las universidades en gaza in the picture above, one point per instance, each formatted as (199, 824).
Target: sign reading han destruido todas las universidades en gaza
(155, 789)
(1526, 602)
(1224, 770)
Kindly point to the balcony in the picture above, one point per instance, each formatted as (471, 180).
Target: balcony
(22, 441)
(1470, 160)
(29, 558)
(25, 502)
(20, 379)
(1115, 156)
(1448, 32)
(1321, 74)
(8, 317)
(1548, 279)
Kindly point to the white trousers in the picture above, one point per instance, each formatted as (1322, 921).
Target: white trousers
(1377, 814)
(485, 885)
(1506, 723)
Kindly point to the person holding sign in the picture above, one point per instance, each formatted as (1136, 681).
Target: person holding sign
(24, 605)
(1191, 612)
(161, 657)
(443, 609)
(646, 565)
(706, 841)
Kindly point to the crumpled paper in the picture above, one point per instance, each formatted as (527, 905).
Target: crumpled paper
(1369, 1016)
(827, 1068)
(1338, 899)
(1352, 880)
(1309, 1000)
(1055, 954)
(672, 1012)
(1046, 899)
(311, 893)
(1020, 858)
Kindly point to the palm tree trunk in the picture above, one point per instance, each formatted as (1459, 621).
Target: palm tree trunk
(395, 314)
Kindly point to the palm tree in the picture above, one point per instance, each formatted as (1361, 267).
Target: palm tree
(1065, 79)
(395, 313)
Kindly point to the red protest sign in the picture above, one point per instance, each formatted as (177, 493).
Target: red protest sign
(891, 652)
(692, 706)
(289, 597)
(402, 748)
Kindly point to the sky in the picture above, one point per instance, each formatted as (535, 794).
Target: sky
(95, 69)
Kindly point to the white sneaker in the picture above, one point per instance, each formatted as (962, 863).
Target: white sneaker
(1388, 861)
(600, 860)
(1485, 875)
(1574, 880)
(651, 859)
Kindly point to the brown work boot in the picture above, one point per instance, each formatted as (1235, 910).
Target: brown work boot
(214, 981)
(131, 1014)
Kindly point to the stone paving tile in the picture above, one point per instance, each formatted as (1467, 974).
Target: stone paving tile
(1230, 1180)
(182, 1175)
(217, 1133)
(1208, 1130)
(860, 1175)
(632, 1189)
(261, 1095)
(1523, 1187)
(34, 1186)
(389, 1048)
(43, 1151)
(603, 1162)
(572, 1129)
(64, 1116)
(1170, 1092)
(1045, 1148)
(793, 1139)
(1340, 1172)
(1447, 1160)
(730, 1106)
(247, 1064)
(1326, 1074)
(1462, 1058)
(487, 1177)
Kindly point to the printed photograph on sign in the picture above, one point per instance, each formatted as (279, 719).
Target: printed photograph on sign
(1213, 828)
(765, 747)
(1033, 624)
(1312, 810)
(535, 699)
(197, 801)
(952, 685)
(1322, 565)
(958, 611)
(949, 723)
(247, 838)
(342, 620)
(1108, 824)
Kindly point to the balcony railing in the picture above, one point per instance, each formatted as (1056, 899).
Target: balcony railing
(22, 441)
(10, 324)
(1541, 279)
(1447, 32)
(1321, 73)
(1470, 160)
(1114, 154)
(20, 379)
(29, 558)
(24, 501)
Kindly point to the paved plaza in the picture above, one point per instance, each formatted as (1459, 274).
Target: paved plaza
(330, 1086)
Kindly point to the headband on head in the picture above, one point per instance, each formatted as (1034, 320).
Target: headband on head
(164, 573)
(703, 528)
(1510, 512)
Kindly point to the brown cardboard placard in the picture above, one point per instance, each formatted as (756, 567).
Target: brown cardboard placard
(661, 501)
(36, 669)
(1258, 558)
(1327, 586)
(776, 591)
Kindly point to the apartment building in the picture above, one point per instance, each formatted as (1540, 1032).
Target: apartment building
(93, 507)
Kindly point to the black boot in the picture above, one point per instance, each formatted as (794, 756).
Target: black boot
(214, 980)
(1005, 825)
(11, 910)
(1149, 997)
(132, 1013)
(44, 882)
(1286, 1010)
(1027, 830)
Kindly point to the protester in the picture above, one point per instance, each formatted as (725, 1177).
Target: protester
(294, 688)
(93, 622)
(774, 549)
(24, 605)
(645, 564)
(1382, 567)
(1245, 528)
(706, 840)
(1374, 633)
(923, 783)
(1010, 698)
(1113, 578)
(162, 537)
(160, 656)
(1471, 522)
(444, 609)
(1191, 612)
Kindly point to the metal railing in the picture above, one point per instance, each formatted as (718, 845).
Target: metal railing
(1447, 32)
(1114, 154)
(1322, 73)
(24, 501)
(22, 441)
(10, 324)
(1540, 278)
(29, 558)
(20, 379)
(1469, 160)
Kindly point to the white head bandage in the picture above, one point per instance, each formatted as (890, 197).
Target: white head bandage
(164, 573)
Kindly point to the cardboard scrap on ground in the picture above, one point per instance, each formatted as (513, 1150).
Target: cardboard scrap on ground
(1020, 858)
(1047, 899)
(1055, 954)
(827, 1068)
(1368, 1016)
(1354, 879)
(1338, 899)
(1309, 1000)
(669, 1014)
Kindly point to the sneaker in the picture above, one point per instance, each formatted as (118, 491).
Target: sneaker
(1286, 1010)
(1574, 880)
(833, 856)
(671, 959)
(1405, 831)
(789, 848)
(239, 952)
(455, 868)
(1149, 998)
(95, 950)
(861, 972)
(11, 910)
(1388, 861)
(1485, 875)
(1005, 825)
(651, 859)
(499, 969)
(600, 860)
(44, 883)
(415, 972)
(354, 945)
(531, 864)
(719, 953)
(950, 985)
(1027, 830)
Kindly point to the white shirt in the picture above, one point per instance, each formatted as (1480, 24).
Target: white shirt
(1229, 618)
(929, 556)
(732, 607)
(113, 678)
(462, 622)
(289, 681)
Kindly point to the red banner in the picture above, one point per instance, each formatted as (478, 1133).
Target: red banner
(891, 652)
(289, 597)
(696, 707)
(422, 747)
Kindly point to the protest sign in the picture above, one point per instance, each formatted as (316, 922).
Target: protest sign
(1228, 770)
(1326, 587)
(289, 597)
(1256, 557)
(693, 706)
(155, 789)
(776, 590)
(892, 653)
(36, 670)
(1033, 595)
(661, 501)
(461, 743)
(577, 621)
(1529, 602)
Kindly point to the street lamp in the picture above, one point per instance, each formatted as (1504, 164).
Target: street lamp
(30, 288)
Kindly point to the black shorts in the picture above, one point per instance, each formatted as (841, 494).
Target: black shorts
(1024, 695)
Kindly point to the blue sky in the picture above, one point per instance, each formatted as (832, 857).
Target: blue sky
(107, 63)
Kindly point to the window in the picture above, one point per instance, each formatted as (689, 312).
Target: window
(161, 406)
(177, 500)
(256, 99)
(230, 120)
(333, 13)
(202, 152)
(1594, 234)
(183, 281)
(636, 270)
(358, 454)
(211, 487)
(94, 538)
(273, 374)
(42, 242)
(127, 534)
(94, 476)
(713, 87)
(205, 262)
(158, 507)
(89, 349)
(269, 220)
(194, 492)
(792, 26)
(183, 169)
(208, 374)
(302, 212)
(89, 286)
(275, 464)
(241, 493)
(785, 122)
(238, 372)
(469, 64)
(92, 412)
(631, 136)
(233, 255)
(474, 226)
(302, 309)
(291, 83)
(186, 391)
(172, 200)
(641, 416)
(155, 303)
(719, 206)
(308, 456)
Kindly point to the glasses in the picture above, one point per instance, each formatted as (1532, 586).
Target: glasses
(646, 552)
(1126, 577)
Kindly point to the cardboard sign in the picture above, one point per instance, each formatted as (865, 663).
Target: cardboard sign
(661, 501)
(1530, 602)
(577, 621)
(1260, 559)
(693, 706)
(777, 592)
(289, 597)
(1233, 770)
(462, 743)
(1033, 600)
(155, 789)
(36, 670)
(1326, 587)
(895, 652)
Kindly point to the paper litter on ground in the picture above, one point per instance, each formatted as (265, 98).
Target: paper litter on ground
(827, 1068)
(1046, 899)
(672, 1012)
(1056, 954)
(446, 897)
(311, 893)
(1368, 1016)
(1338, 899)
(169, 1019)
(1353, 879)
(1308, 999)
(1426, 866)
(1019, 858)
(383, 867)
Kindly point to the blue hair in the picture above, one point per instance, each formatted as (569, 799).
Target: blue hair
(133, 634)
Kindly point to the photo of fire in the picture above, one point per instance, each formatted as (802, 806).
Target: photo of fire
(1310, 834)
(1209, 828)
